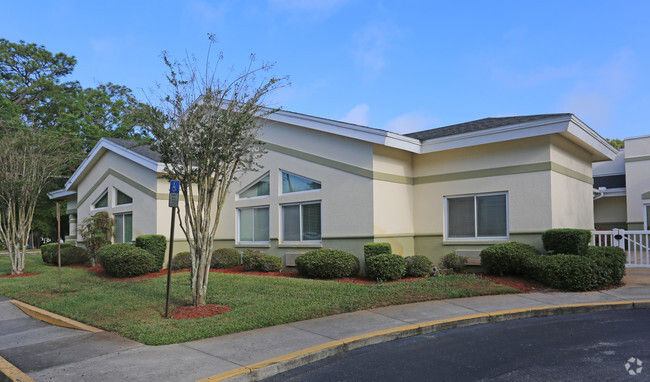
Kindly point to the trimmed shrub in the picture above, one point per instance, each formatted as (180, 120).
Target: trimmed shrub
(385, 267)
(506, 258)
(268, 263)
(250, 259)
(570, 241)
(570, 272)
(49, 252)
(182, 260)
(372, 249)
(454, 262)
(126, 260)
(611, 261)
(225, 258)
(327, 264)
(418, 266)
(155, 244)
(73, 256)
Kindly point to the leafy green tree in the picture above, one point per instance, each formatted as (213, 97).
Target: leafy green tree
(208, 137)
(616, 143)
(35, 94)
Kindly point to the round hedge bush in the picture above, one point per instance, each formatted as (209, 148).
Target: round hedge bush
(506, 258)
(327, 264)
(181, 260)
(126, 260)
(225, 258)
(385, 267)
(454, 262)
(155, 244)
(49, 252)
(250, 258)
(418, 266)
(268, 263)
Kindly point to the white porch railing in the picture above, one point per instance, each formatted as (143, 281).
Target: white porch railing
(636, 245)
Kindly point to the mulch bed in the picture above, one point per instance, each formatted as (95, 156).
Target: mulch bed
(518, 283)
(189, 312)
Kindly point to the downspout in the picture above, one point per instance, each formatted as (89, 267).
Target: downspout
(599, 192)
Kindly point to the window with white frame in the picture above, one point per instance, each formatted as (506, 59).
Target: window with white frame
(301, 222)
(122, 199)
(258, 188)
(102, 201)
(124, 228)
(254, 224)
(477, 216)
(296, 183)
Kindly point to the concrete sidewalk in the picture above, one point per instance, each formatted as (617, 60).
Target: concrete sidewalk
(53, 353)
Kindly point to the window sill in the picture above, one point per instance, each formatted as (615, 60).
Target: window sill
(475, 242)
(253, 245)
(301, 245)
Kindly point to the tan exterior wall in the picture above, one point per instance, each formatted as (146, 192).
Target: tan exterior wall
(637, 180)
(610, 212)
(572, 199)
(111, 172)
(393, 200)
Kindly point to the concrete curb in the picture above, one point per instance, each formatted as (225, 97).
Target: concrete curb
(52, 318)
(10, 373)
(270, 367)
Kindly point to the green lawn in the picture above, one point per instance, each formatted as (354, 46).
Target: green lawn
(134, 309)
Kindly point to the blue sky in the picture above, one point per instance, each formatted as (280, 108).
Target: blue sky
(397, 65)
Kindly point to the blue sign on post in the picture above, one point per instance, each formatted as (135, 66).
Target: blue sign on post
(174, 187)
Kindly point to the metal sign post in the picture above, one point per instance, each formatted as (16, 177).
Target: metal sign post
(174, 187)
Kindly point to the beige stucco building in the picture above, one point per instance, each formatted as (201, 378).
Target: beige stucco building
(330, 184)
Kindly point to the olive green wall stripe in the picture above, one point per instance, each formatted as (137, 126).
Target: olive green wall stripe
(463, 175)
(121, 177)
(165, 196)
(497, 171)
(646, 195)
(637, 159)
(571, 173)
(320, 160)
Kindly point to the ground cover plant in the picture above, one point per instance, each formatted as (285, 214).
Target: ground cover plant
(134, 308)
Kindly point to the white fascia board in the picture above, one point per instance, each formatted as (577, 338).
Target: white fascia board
(598, 147)
(348, 130)
(639, 137)
(500, 134)
(610, 192)
(103, 145)
(58, 194)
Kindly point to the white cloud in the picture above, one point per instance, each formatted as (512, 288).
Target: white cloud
(359, 115)
(601, 90)
(411, 122)
(371, 45)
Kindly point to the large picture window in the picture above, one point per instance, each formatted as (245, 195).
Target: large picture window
(124, 228)
(477, 216)
(254, 225)
(301, 222)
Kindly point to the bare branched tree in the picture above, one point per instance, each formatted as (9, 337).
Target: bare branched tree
(28, 162)
(208, 138)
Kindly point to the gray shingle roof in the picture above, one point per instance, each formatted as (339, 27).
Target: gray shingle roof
(481, 124)
(137, 147)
